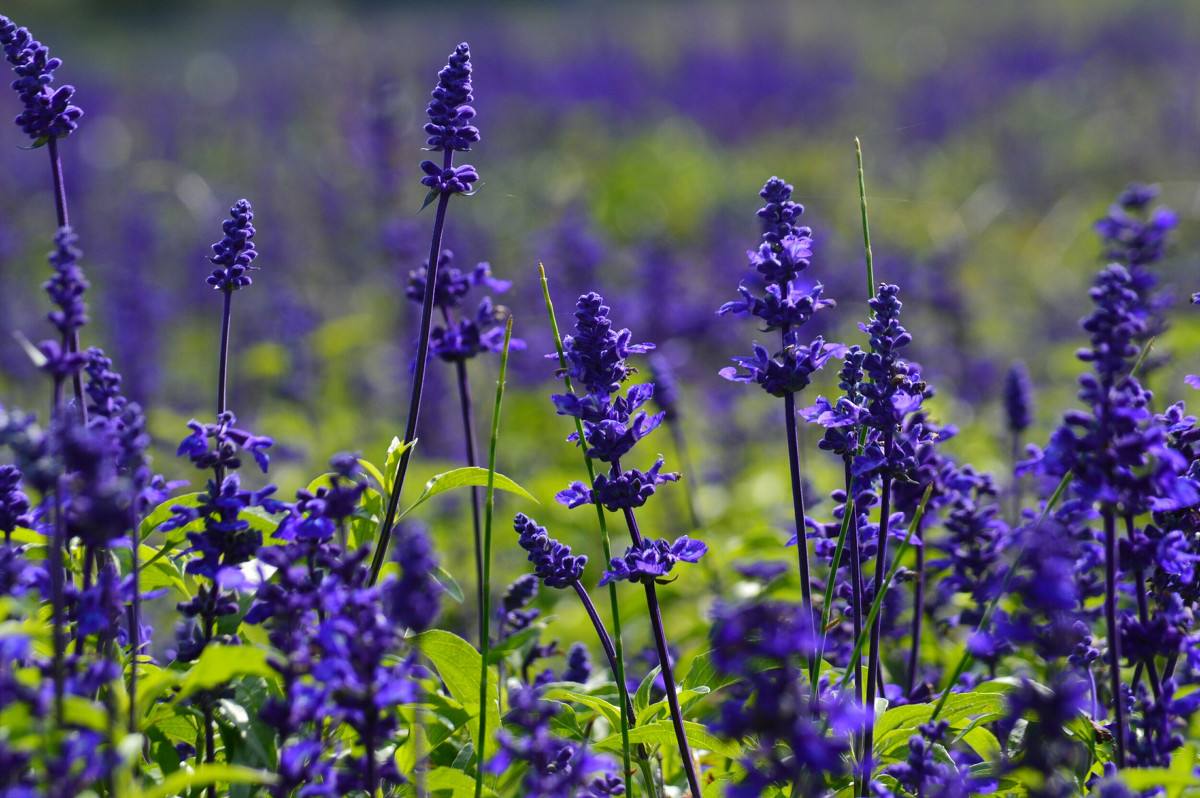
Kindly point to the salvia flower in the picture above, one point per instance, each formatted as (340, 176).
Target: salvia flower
(415, 598)
(555, 767)
(579, 664)
(1018, 398)
(553, 562)
(515, 613)
(234, 254)
(449, 107)
(627, 490)
(14, 504)
(653, 559)
(788, 372)
(67, 285)
(48, 113)
(467, 336)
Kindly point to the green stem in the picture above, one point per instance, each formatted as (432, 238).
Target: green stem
(622, 689)
(862, 202)
(485, 588)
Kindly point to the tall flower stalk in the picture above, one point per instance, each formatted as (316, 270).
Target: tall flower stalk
(226, 541)
(612, 425)
(485, 600)
(450, 130)
(626, 717)
(784, 304)
(457, 341)
(47, 115)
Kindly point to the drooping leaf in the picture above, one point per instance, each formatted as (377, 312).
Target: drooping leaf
(204, 775)
(467, 476)
(663, 733)
(611, 712)
(218, 664)
(458, 663)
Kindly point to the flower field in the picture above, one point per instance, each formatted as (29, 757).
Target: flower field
(681, 399)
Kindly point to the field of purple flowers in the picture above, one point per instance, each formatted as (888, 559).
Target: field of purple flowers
(373, 491)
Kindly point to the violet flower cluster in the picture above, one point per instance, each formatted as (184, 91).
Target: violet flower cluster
(463, 338)
(48, 113)
(449, 127)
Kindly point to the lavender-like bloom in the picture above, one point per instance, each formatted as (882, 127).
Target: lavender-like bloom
(14, 504)
(513, 611)
(650, 560)
(612, 425)
(234, 254)
(449, 127)
(415, 598)
(1018, 399)
(48, 112)
(552, 561)
(67, 284)
(629, 489)
(764, 648)
(1048, 748)
(556, 768)
(579, 664)
(463, 338)
(449, 131)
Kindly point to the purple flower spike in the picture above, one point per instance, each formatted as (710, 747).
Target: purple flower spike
(48, 112)
(653, 559)
(552, 561)
(234, 254)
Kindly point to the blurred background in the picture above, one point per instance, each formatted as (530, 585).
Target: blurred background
(623, 146)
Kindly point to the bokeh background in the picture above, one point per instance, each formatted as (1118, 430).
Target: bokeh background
(623, 146)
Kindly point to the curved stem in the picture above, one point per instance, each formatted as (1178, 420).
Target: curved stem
(464, 399)
(418, 384)
(1143, 606)
(485, 586)
(1114, 640)
(605, 641)
(873, 657)
(914, 654)
(64, 220)
(664, 657)
(789, 410)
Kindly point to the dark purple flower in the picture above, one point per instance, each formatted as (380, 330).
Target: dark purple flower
(234, 254)
(579, 664)
(67, 284)
(789, 371)
(450, 114)
(415, 598)
(555, 767)
(653, 559)
(48, 112)
(1018, 398)
(14, 504)
(552, 561)
(627, 490)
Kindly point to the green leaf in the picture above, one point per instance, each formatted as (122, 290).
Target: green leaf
(641, 698)
(204, 775)
(663, 733)
(396, 450)
(453, 781)
(373, 472)
(218, 664)
(611, 712)
(458, 663)
(467, 476)
(448, 583)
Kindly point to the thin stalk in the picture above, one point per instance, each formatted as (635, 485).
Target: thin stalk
(866, 228)
(485, 588)
(418, 384)
(664, 657)
(57, 590)
(789, 410)
(966, 659)
(464, 399)
(873, 657)
(135, 620)
(60, 212)
(1143, 605)
(223, 363)
(614, 606)
(602, 633)
(914, 653)
(1114, 640)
